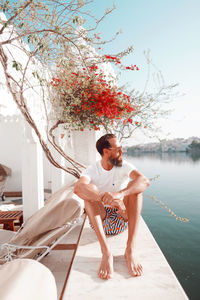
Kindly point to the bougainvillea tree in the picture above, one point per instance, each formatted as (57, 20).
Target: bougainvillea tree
(58, 62)
(86, 99)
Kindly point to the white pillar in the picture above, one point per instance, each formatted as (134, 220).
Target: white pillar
(79, 145)
(58, 175)
(32, 173)
(84, 146)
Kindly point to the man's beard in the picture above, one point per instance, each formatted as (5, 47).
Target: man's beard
(115, 162)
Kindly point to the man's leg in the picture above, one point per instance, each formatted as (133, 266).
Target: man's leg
(133, 205)
(96, 213)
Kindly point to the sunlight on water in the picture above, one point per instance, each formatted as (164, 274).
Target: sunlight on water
(178, 186)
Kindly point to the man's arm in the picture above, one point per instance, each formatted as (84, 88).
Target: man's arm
(138, 184)
(87, 191)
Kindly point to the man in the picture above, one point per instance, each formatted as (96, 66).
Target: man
(115, 183)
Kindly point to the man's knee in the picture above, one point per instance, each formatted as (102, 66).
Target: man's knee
(134, 198)
(95, 208)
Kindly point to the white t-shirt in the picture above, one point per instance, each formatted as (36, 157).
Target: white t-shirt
(109, 181)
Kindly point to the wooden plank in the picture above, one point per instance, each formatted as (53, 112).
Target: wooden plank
(10, 215)
(19, 193)
(65, 247)
(13, 194)
(74, 254)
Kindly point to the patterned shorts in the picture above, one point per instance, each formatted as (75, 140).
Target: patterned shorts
(113, 222)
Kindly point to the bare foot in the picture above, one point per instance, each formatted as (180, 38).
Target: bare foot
(106, 267)
(135, 268)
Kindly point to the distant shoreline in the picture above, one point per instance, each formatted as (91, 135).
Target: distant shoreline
(191, 144)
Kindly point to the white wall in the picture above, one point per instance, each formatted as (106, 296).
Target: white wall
(11, 150)
(80, 146)
(11, 143)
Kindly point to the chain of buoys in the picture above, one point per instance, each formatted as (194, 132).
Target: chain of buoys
(157, 201)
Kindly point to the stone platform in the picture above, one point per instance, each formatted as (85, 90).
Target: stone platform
(157, 283)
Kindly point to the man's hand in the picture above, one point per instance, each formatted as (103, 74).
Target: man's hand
(114, 200)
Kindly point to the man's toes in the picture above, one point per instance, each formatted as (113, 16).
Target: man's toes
(141, 269)
(136, 271)
(105, 275)
(101, 274)
(133, 272)
(139, 273)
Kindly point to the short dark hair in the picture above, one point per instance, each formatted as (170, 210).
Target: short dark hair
(103, 142)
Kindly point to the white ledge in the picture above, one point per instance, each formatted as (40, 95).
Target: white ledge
(157, 282)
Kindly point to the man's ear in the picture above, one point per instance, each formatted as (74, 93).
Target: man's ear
(105, 151)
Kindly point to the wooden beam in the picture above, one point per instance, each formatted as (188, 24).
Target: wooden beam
(65, 247)
(13, 194)
(69, 269)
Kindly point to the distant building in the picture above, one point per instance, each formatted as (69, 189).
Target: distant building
(175, 145)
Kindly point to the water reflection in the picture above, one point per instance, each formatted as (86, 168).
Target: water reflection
(177, 157)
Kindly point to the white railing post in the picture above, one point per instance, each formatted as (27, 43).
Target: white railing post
(32, 173)
(84, 146)
(81, 146)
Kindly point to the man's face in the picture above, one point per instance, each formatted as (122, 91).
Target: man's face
(115, 153)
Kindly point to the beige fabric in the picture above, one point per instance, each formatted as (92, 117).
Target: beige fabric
(46, 224)
(5, 170)
(26, 279)
(6, 235)
(4, 173)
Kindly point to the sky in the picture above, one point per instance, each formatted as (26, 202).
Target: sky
(170, 30)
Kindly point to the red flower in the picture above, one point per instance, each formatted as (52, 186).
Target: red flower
(124, 122)
(55, 81)
(97, 100)
(130, 120)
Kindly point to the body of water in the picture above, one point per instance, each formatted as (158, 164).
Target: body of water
(178, 186)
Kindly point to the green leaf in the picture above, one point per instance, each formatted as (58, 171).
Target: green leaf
(15, 65)
(29, 38)
(21, 25)
(4, 7)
